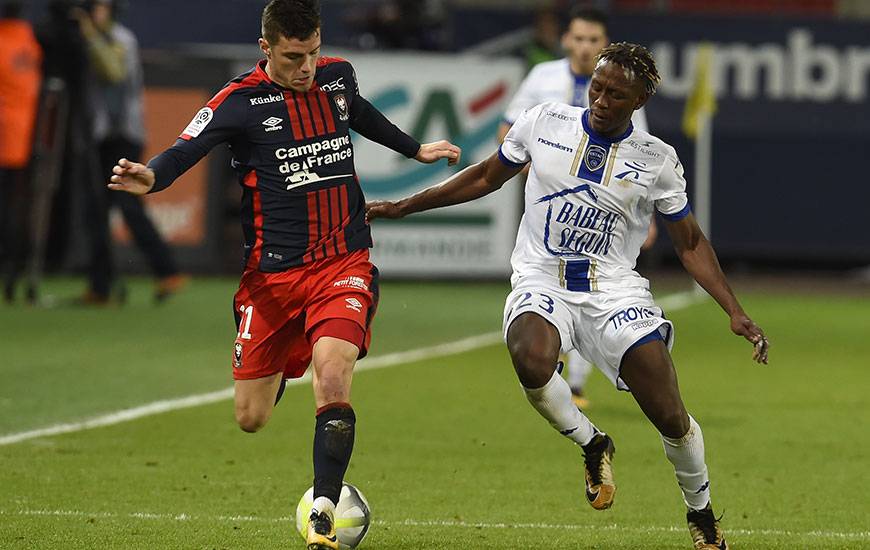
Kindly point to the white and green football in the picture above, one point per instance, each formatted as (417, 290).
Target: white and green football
(352, 516)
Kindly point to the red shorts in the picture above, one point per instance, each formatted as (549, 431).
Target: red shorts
(278, 313)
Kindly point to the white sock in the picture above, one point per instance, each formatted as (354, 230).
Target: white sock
(687, 455)
(553, 402)
(578, 370)
(324, 504)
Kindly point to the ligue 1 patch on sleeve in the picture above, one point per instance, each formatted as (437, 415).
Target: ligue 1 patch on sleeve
(199, 122)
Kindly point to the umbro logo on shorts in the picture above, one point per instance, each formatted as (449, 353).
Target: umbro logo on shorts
(354, 304)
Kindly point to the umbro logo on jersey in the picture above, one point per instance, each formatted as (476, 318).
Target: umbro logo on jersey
(272, 123)
(267, 99)
(354, 304)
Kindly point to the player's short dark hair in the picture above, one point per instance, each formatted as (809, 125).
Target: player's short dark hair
(587, 13)
(635, 59)
(290, 19)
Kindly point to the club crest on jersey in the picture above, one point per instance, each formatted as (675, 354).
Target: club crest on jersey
(341, 105)
(595, 157)
(237, 355)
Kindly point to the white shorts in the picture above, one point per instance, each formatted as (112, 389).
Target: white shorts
(601, 326)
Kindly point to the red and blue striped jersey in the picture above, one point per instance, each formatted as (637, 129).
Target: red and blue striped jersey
(301, 198)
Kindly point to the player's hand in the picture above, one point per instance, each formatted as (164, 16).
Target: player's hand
(746, 327)
(382, 209)
(132, 177)
(437, 150)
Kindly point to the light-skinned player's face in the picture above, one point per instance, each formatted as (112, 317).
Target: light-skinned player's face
(613, 97)
(292, 62)
(582, 42)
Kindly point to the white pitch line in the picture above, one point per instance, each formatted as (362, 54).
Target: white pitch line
(181, 517)
(671, 302)
(167, 405)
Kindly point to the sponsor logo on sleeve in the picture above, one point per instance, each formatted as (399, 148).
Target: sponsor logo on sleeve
(199, 122)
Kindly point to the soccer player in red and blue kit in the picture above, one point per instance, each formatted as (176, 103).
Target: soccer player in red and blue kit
(308, 292)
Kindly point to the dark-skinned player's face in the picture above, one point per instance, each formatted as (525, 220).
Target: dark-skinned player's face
(613, 98)
(292, 62)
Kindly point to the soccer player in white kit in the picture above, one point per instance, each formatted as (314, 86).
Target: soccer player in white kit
(567, 81)
(593, 184)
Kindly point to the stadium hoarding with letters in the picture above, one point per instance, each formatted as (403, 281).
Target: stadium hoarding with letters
(459, 98)
(792, 120)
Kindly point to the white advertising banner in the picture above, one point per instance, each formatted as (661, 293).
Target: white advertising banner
(454, 97)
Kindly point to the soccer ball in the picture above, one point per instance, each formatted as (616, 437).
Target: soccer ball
(352, 516)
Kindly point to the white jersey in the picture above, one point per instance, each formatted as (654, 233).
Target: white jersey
(588, 199)
(553, 81)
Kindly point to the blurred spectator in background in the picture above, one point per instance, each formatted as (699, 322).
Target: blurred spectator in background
(567, 81)
(118, 128)
(66, 59)
(402, 24)
(545, 44)
(20, 77)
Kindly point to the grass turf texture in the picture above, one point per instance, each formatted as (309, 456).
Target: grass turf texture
(448, 452)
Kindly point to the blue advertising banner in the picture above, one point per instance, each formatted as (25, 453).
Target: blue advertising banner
(791, 134)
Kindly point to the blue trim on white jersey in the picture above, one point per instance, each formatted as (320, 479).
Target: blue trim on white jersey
(577, 276)
(598, 137)
(581, 82)
(508, 162)
(677, 216)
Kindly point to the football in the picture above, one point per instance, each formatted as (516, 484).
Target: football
(352, 516)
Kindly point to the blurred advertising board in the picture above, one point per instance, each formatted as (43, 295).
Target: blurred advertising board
(433, 97)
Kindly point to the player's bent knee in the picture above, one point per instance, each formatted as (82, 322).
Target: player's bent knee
(673, 424)
(251, 420)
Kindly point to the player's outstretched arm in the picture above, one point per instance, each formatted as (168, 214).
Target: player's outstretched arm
(472, 183)
(132, 177)
(700, 261)
(437, 150)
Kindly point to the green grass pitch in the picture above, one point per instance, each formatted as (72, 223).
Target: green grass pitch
(448, 452)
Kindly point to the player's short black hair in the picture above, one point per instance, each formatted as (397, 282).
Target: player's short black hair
(588, 13)
(635, 59)
(290, 19)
